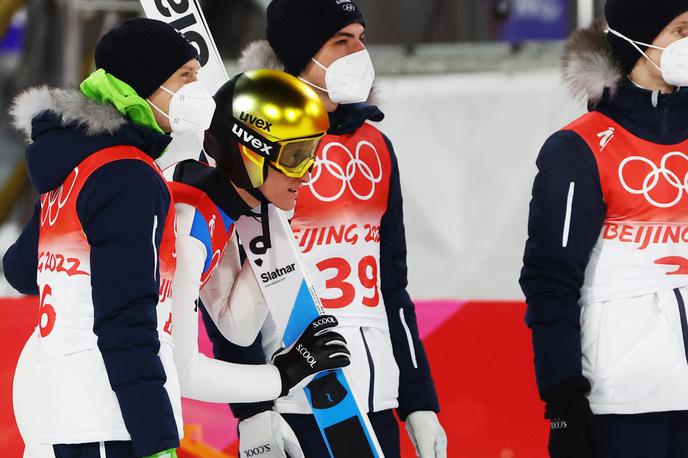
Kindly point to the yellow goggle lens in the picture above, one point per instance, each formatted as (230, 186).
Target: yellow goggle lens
(296, 172)
(296, 157)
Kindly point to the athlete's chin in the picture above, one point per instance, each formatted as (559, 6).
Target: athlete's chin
(288, 202)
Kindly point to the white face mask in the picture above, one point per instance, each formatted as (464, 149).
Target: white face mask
(348, 79)
(191, 108)
(674, 61)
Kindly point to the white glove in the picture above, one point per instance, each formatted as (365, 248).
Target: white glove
(427, 434)
(267, 435)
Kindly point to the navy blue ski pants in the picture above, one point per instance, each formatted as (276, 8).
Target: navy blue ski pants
(650, 435)
(115, 449)
(384, 423)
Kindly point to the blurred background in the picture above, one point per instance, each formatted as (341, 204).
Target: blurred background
(471, 90)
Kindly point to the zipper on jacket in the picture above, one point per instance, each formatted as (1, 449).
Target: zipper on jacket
(155, 249)
(665, 114)
(371, 388)
(567, 218)
(409, 339)
(684, 320)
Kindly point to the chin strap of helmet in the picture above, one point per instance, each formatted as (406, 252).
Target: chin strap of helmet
(264, 219)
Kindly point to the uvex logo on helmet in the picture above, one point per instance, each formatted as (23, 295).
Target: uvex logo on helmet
(256, 121)
(251, 141)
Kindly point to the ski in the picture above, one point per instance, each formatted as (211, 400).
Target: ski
(293, 304)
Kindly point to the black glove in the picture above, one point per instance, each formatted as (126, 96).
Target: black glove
(317, 349)
(573, 430)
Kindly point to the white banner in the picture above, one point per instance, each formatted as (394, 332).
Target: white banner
(467, 145)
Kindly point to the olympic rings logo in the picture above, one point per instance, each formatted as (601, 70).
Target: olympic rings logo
(652, 179)
(346, 173)
(53, 201)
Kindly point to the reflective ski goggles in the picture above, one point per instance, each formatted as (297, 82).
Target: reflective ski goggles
(294, 158)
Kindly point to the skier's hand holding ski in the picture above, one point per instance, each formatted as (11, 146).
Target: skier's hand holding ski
(317, 349)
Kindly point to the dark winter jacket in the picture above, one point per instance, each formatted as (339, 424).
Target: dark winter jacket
(553, 275)
(65, 128)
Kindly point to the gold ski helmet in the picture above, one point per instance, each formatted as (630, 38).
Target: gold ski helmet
(265, 118)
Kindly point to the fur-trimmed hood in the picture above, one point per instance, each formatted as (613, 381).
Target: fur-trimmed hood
(259, 54)
(63, 127)
(589, 66)
(593, 73)
(72, 107)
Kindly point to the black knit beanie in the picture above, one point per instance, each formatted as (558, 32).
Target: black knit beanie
(639, 20)
(297, 29)
(143, 53)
